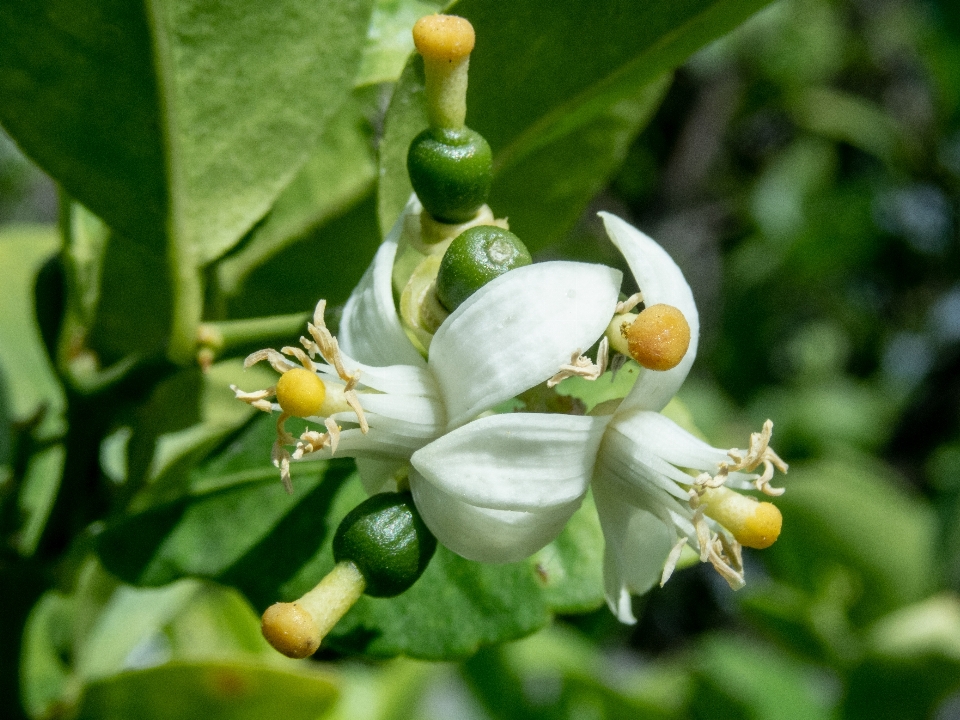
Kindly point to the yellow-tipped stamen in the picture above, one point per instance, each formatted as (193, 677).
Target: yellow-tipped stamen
(754, 524)
(659, 337)
(445, 42)
(297, 628)
(300, 392)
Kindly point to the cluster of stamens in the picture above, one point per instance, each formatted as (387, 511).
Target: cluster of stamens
(301, 393)
(751, 523)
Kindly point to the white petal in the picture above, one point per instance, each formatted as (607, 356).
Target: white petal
(519, 461)
(370, 328)
(380, 445)
(420, 411)
(660, 281)
(395, 379)
(636, 545)
(483, 534)
(668, 440)
(517, 331)
(639, 467)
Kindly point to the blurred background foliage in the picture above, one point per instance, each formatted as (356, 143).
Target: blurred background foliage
(804, 172)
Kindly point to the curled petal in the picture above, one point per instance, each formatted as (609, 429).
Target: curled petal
(517, 331)
(670, 441)
(484, 534)
(370, 328)
(637, 544)
(517, 462)
(660, 281)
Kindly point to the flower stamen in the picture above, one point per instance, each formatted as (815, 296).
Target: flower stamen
(760, 453)
(581, 366)
(258, 398)
(629, 304)
(672, 558)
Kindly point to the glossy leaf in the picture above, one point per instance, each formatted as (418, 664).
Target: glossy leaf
(237, 521)
(339, 172)
(327, 262)
(559, 112)
(389, 41)
(31, 384)
(227, 690)
(182, 90)
(46, 644)
(185, 418)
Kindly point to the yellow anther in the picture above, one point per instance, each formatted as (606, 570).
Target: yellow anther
(300, 393)
(297, 628)
(659, 337)
(443, 37)
(291, 630)
(754, 524)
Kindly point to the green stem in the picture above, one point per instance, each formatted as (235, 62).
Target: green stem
(228, 335)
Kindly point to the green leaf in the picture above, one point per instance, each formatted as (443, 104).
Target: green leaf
(740, 679)
(126, 624)
(559, 112)
(572, 167)
(44, 670)
(340, 172)
(186, 417)
(852, 515)
(913, 662)
(149, 113)
(327, 262)
(390, 40)
(134, 303)
(37, 494)
(570, 569)
(245, 525)
(75, 644)
(31, 383)
(231, 691)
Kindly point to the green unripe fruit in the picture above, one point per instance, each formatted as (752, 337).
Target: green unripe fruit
(387, 540)
(475, 257)
(451, 172)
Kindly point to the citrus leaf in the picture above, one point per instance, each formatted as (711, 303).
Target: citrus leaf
(147, 112)
(560, 112)
(214, 690)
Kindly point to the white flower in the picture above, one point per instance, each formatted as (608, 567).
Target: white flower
(503, 486)
(382, 401)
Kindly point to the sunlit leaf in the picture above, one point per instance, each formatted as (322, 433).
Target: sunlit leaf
(232, 691)
(340, 171)
(31, 384)
(182, 91)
